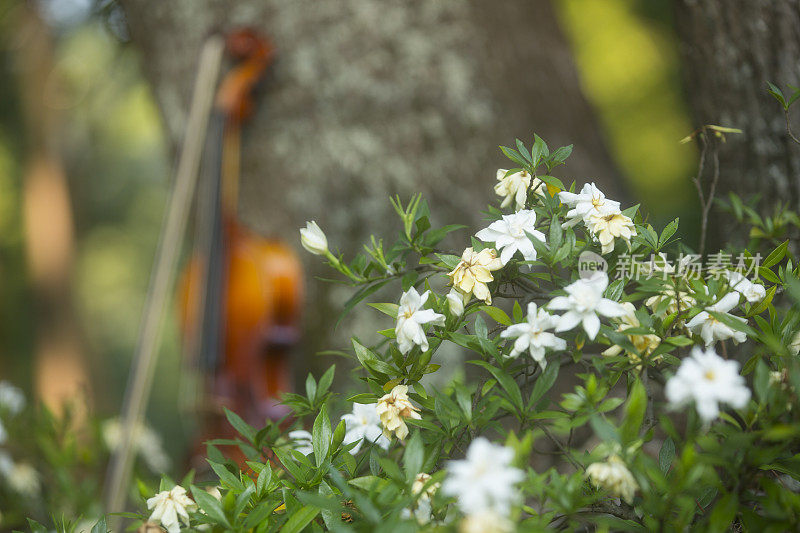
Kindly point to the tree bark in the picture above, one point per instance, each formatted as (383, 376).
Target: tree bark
(731, 49)
(371, 98)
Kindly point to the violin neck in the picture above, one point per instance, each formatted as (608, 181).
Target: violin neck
(211, 237)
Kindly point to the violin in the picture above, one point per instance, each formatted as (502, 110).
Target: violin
(240, 297)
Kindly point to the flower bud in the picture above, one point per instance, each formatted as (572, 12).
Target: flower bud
(313, 239)
(455, 300)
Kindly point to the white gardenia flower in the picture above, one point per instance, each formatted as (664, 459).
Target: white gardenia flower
(301, 441)
(364, 424)
(613, 476)
(19, 477)
(708, 380)
(12, 400)
(588, 202)
(24, 479)
(509, 236)
(313, 239)
(532, 336)
(146, 443)
(410, 318)
(711, 329)
(754, 292)
(486, 522)
(485, 479)
(6, 464)
(455, 301)
(794, 346)
(514, 187)
(584, 301)
(170, 507)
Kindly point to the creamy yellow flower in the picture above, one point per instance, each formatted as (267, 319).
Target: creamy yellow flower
(514, 187)
(680, 300)
(393, 409)
(614, 477)
(419, 484)
(610, 226)
(644, 343)
(474, 271)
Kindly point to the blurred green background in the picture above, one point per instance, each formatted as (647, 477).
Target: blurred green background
(117, 166)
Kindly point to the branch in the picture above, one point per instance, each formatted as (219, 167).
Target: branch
(705, 202)
(789, 126)
(561, 448)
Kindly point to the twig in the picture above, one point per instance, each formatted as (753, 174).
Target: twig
(789, 127)
(561, 448)
(705, 202)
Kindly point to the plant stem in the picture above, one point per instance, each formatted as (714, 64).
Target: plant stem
(789, 127)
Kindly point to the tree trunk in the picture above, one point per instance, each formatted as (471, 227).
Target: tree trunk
(370, 99)
(731, 49)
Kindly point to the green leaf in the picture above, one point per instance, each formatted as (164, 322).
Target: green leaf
(556, 234)
(778, 94)
(435, 236)
(761, 381)
(514, 156)
(631, 211)
(733, 322)
(768, 275)
(311, 388)
(634, 412)
(364, 397)
(321, 435)
(226, 476)
(288, 462)
(259, 515)
(262, 482)
(776, 255)
(562, 154)
(36, 527)
(498, 315)
(100, 526)
(523, 150)
(325, 381)
(413, 457)
(666, 455)
(540, 146)
(360, 295)
(300, 519)
(723, 513)
(245, 430)
(668, 232)
(544, 383)
(517, 312)
(553, 181)
(242, 501)
(338, 435)
(386, 309)
(211, 506)
(506, 381)
(603, 429)
(450, 261)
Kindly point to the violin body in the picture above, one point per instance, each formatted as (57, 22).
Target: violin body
(241, 294)
(260, 314)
